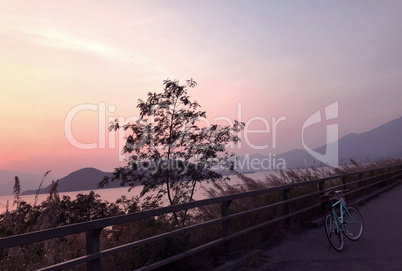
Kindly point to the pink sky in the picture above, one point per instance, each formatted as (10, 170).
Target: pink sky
(272, 59)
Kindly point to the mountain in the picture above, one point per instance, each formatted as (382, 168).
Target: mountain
(380, 143)
(83, 179)
(383, 142)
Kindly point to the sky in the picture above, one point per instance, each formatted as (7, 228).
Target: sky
(68, 68)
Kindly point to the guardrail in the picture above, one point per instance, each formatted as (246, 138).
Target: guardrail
(362, 185)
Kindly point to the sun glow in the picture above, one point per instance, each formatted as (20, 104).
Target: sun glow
(275, 59)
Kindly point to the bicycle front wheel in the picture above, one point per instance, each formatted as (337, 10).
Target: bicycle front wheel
(353, 224)
(334, 236)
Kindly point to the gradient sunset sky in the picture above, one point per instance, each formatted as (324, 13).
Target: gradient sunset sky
(256, 60)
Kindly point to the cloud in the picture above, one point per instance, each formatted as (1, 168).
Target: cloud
(48, 36)
(56, 39)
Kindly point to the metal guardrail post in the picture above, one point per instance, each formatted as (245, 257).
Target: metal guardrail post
(344, 183)
(372, 176)
(361, 182)
(321, 187)
(93, 246)
(226, 229)
(287, 208)
(360, 177)
(382, 184)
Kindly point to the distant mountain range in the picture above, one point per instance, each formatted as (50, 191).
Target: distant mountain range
(383, 142)
(380, 143)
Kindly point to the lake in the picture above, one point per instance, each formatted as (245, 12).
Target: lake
(111, 194)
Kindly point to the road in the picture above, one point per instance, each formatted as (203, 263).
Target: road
(380, 247)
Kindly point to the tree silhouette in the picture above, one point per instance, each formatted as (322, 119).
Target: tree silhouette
(170, 149)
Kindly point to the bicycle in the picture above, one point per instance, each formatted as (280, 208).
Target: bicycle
(342, 220)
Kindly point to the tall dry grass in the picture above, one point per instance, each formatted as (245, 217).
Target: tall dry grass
(56, 211)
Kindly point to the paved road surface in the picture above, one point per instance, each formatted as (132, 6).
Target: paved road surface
(380, 247)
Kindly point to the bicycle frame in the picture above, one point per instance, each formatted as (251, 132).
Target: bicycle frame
(343, 212)
(341, 223)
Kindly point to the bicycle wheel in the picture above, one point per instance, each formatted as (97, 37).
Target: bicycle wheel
(334, 236)
(353, 224)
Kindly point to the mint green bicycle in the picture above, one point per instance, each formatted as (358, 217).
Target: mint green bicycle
(342, 220)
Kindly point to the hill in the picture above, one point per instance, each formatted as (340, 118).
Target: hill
(83, 179)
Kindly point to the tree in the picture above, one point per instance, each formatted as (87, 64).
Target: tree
(169, 149)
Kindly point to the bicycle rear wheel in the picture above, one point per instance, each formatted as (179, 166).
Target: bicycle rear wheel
(334, 236)
(353, 224)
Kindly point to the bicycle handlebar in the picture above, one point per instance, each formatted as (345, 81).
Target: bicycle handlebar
(336, 193)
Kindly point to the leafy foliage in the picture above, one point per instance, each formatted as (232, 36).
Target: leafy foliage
(169, 150)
